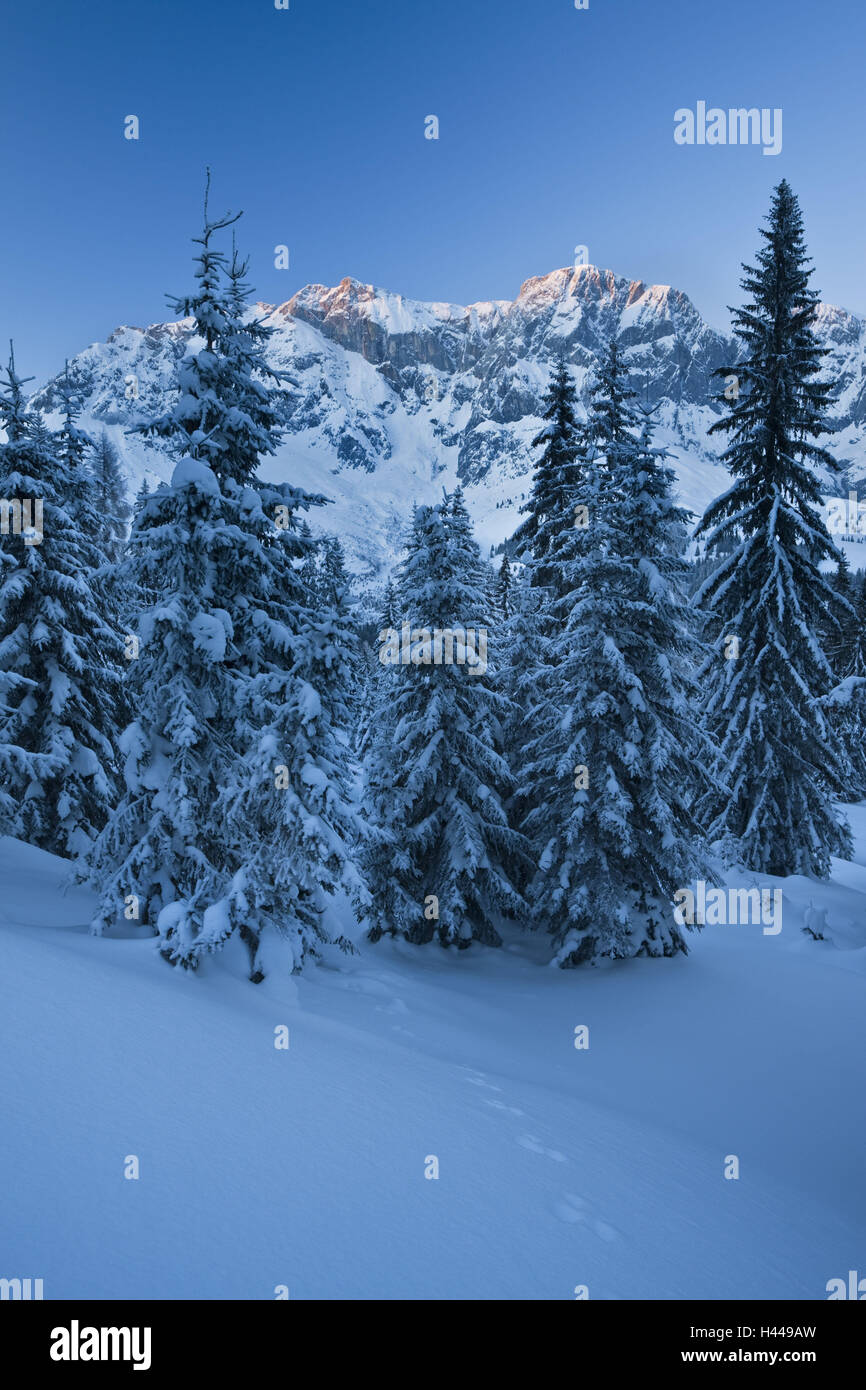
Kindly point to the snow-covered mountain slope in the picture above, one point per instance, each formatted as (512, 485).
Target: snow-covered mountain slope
(557, 1166)
(391, 399)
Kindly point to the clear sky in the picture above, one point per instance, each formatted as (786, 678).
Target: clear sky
(555, 130)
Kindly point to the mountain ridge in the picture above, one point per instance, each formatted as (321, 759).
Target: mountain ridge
(390, 398)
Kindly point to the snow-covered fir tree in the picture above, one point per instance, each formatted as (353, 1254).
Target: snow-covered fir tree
(111, 498)
(529, 649)
(389, 615)
(502, 590)
(440, 856)
(257, 671)
(845, 645)
(373, 675)
(296, 830)
(325, 572)
(555, 479)
(163, 858)
(86, 503)
(74, 448)
(523, 659)
(41, 437)
(126, 581)
(611, 753)
(330, 589)
(780, 762)
(59, 660)
(291, 816)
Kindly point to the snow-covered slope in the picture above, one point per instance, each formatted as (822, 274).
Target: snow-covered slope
(558, 1167)
(391, 399)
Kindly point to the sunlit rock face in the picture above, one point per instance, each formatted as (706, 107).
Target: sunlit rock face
(389, 399)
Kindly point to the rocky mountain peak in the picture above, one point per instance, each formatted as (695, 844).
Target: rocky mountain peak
(389, 397)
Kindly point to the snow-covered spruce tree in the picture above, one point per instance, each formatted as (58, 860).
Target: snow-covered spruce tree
(372, 690)
(111, 499)
(310, 570)
(839, 631)
(292, 823)
(85, 502)
(390, 611)
(523, 654)
(290, 818)
(440, 855)
(328, 586)
(59, 671)
(613, 763)
(530, 652)
(845, 645)
(270, 814)
(780, 762)
(332, 592)
(74, 448)
(202, 421)
(522, 669)
(324, 573)
(856, 664)
(163, 859)
(555, 480)
(502, 591)
(43, 439)
(126, 581)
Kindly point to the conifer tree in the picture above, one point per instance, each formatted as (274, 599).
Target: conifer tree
(111, 500)
(440, 855)
(241, 678)
(524, 656)
(389, 615)
(845, 645)
(373, 674)
(504, 604)
(552, 514)
(780, 762)
(556, 477)
(127, 581)
(300, 654)
(41, 437)
(612, 759)
(73, 448)
(163, 858)
(334, 577)
(59, 660)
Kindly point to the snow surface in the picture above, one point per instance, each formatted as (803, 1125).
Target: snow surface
(557, 1166)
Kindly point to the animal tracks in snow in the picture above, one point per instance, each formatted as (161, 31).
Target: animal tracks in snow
(500, 1105)
(479, 1079)
(569, 1208)
(575, 1210)
(528, 1141)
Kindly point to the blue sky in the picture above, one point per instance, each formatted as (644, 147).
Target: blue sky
(556, 129)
